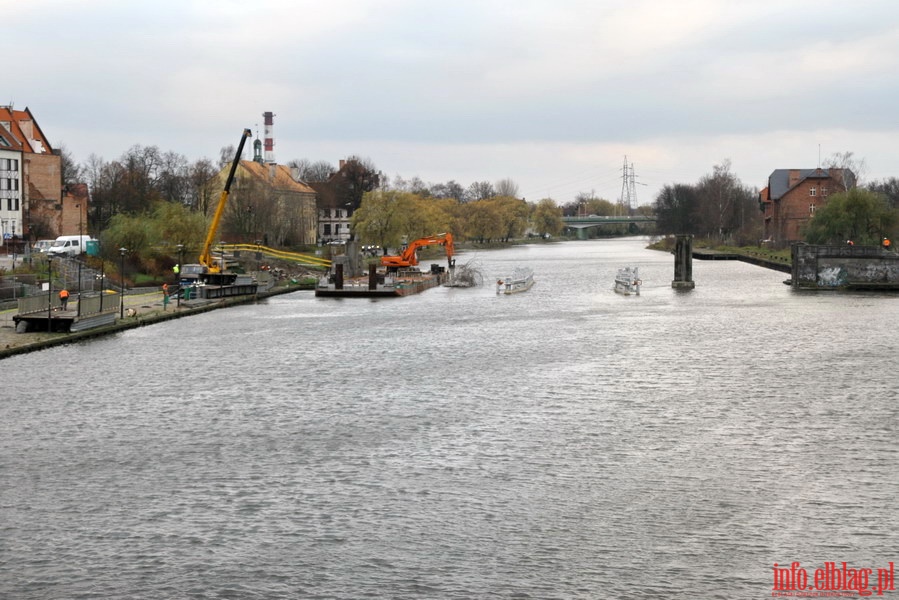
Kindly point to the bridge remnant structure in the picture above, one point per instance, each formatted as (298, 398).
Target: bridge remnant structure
(843, 267)
(683, 263)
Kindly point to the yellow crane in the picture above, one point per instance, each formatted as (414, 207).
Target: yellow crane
(208, 264)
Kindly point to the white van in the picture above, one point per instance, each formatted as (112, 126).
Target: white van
(69, 245)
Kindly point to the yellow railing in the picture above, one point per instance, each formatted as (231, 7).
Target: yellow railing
(297, 257)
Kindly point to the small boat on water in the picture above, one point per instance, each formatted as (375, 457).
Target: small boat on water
(627, 281)
(521, 280)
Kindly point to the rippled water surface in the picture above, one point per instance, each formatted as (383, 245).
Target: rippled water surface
(567, 442)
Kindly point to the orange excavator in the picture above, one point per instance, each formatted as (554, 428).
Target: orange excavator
(409, 257)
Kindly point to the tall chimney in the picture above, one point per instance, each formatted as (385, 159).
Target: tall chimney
(269, 137)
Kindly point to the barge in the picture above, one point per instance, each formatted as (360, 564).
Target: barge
(380, 285)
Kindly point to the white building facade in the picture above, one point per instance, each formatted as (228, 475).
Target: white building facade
(11, 193)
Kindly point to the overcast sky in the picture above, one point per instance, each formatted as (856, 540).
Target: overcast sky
(552, 94)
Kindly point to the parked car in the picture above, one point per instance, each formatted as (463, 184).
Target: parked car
(41, 245)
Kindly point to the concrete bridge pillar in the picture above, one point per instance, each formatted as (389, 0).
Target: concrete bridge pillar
(683, 263)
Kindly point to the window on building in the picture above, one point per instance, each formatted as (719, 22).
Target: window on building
(811, 209)
(813, 191)
(327, 230)
(337, 229)
(824, 191)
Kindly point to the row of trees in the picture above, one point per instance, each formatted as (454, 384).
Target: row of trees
(150, 201)
(145, 175)
(389, 217)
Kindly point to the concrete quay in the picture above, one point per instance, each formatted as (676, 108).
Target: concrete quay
(148, 308)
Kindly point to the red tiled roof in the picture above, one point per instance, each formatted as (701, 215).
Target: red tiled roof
(277, 176)
(16, 118)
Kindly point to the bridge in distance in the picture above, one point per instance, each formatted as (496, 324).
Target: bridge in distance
(582, 224)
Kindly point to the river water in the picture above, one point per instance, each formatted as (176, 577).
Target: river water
(567, 442)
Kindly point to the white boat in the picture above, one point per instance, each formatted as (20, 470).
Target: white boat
(521, 280)
(627, 281)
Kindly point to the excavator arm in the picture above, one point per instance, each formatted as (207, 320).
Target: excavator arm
(409, 256)
(205, 256)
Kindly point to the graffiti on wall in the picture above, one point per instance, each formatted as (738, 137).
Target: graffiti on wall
(833, 277)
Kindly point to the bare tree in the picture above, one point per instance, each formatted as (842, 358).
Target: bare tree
(71, 171)
(450, 189)
(846, 161)
(506, 187)
(888, 188)
(479, 190)
(675, 207)
(357, 176)
(202, 186)
(312, 171)
(173, 181)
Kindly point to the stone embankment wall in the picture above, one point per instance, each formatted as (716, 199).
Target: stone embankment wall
(844, 267)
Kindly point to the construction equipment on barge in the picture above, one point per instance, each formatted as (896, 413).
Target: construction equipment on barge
(409, 256)
(209, 279)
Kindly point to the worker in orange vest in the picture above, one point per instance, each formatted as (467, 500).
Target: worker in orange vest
(886, 243)
(64, 298)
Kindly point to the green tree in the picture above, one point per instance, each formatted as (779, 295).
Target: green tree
(546, 218)
(483, 221)
(173, 224)
(132, 232)
(382, 217)
(859, 215)
(514, 215)
(425, 217)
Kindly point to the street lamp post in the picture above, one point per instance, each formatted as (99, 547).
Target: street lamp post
(102, 277)
(180, 266)
(49, 294)
(122, 299)
(80, 257)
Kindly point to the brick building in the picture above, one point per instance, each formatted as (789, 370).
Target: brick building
(792, 197)
(33, 201)
(268, 205)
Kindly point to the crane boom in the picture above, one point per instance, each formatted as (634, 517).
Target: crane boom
(205, 256)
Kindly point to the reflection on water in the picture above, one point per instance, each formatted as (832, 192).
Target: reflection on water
(568, 442)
